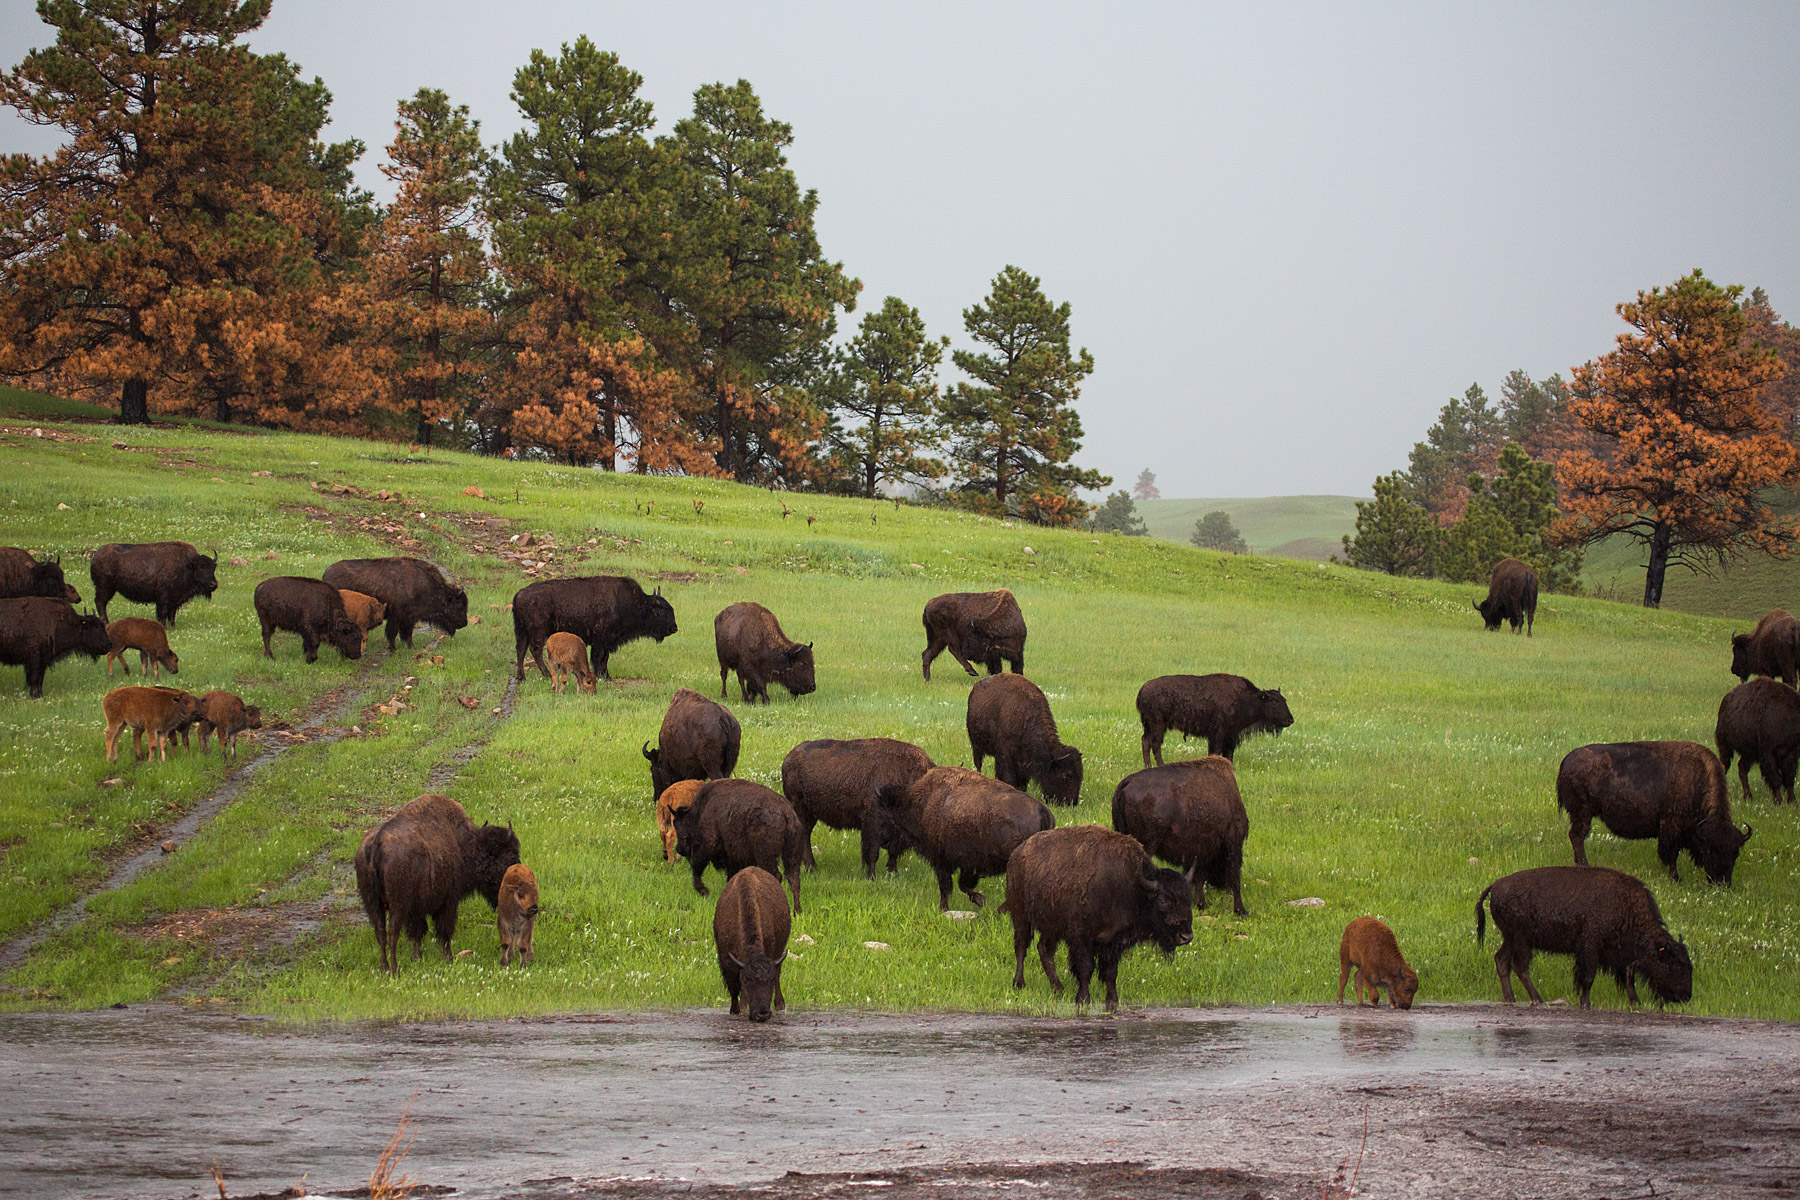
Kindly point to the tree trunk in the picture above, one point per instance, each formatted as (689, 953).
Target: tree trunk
(423, 437)
(1659, 564)
(610, 426)
(1000, 480)
(222, 410)
(869, 468)
(134, 402)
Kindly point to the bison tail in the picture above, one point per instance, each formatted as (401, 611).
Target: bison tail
(1481, 916)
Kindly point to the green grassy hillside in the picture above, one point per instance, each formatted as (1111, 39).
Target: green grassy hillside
(1303, 527)
(1420, 768)
(1742, 592)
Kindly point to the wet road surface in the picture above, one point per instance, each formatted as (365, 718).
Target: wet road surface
(1458, 1101)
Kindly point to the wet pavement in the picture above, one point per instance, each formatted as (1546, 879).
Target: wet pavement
(1456, 1101)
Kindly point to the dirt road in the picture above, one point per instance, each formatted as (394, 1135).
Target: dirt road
(1468, 1101)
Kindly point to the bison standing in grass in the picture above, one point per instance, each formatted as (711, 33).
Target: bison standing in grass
(976, 627)
(1759, 722)
(516, 914)
(1223, 709)
(1099, 892)
(699, 739)
(366, 611)
(153, 711)
(840, 782)
(674, 798)
(1674, 792)
(166, 574)
(413, 592)
(228, 716)
(311, 608)
(1189, 814)
(1772, 649)
(23, 575)
(733, 824)
(149, 639)
(36, 632)
(605, 611)
(1512, 596)
(1605, 918)
(421, 863)
(750, 932)
(1370, 947)
(1010, 719)
(964, 824)
(749, 641)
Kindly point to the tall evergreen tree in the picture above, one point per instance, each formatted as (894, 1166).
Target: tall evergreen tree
(1118, 515)
(1394, 532)
(1214, 531)
(885, 380)
(1465, 440)
(1145, 488)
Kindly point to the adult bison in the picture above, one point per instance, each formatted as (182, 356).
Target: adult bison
(976, 627)
(605, 611)
(422, 862)
(415, 593)
(1189, 814)
(750, 933)
(1010, 719)
(23, 575)
(1099, 892)
(311, 608)
(166, 574)
(1605, 918)
(1772, 649)
(749, 641)
(1674, 792)
(1223, 709)
(1760, 721)
(736, 823)
(699, 739)
(840, 782)
(1512, 596)
(964, 824)
(36, 631)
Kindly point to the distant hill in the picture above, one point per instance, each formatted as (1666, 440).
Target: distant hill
(1303, 527)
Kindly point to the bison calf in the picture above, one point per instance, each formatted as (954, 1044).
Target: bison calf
(151, 711)
(366, 611)
(674, 798)
(569, 656)
(964, 824)
(1760, 721)
(839, 783)
(733, 824)
(226, 715)
(749, 641)
(311, 608)
(149, 639)
(699, 739)
(516, 913)
(1010, 719)
(750, 931)
(1674, 792)
(1223, 709)
(1512, 596)
(1189, 814)
(1098, 891)
(1370, 947)
(976, 627)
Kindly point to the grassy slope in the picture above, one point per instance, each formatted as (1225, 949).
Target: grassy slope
(1421, 766)
(1298, 525)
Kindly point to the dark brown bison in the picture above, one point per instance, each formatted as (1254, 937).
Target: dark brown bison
(1672, 791)
(749, 641)
(1189, 814)
(699, 739)
(166, 574)
(976, 627)
(1010, 719)
(23, 575)
(1512, 596)
(1772, 649)
(1605, 918)
(311, 608)
(149, 639)
(422, 862)
(1370, 947)
(605, 611)
(1760, 721)
(228, 716)
(414, 592)
(750, 931)
(839, 782)
(516, 914)
(735, 823)
(964, 824)
(1223, 709)
(36, 631)
(153, 711)
(1099, 892)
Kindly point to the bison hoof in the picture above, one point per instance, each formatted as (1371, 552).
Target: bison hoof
(977, 899)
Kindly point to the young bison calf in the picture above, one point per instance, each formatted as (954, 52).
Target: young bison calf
(365, 610)
(675, 797)
(750, 930)
(147, 710)
(149, 639)
(517, 913)
(226, 715)
(1369, 946)
(568, 656)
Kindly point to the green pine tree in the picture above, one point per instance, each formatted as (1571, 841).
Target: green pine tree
(1394, 532)
(1214, 531)
(1118, 515)
(885, 382)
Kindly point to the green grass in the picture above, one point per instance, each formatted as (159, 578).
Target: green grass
(1421, 766)
(1303, 527)
(20, 403)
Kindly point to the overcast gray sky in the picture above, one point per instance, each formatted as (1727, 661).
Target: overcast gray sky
(1289, 233)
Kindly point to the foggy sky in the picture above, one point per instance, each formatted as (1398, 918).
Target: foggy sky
(1288, 233)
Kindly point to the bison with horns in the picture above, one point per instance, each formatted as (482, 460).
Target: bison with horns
(605, 611)
(414, 592)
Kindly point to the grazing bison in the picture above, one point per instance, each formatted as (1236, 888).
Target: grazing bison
(605, 611)
(1371, 948)
(166, 574)
(1189, 814)
(36, 631)
(733, 824)
(1098, 891)
(1605, 918)
(1010, 719)
(423, 862)
(311, 608)
(976, 627)
(149, 639)
(1512, 596)
(366, 611)
(1760, 721)
(749, 641)
(675, 797)
(568, 656)
(516, 913)
(964, 824)
(698, 740)
(155, 711)
(23, 575)
(228, 716)
(413, 591)
(1772, 649)
(750, 930)
(839, 782)
(1674, 792)
(1223, 709)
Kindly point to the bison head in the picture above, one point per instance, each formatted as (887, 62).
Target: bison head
(90, 635)
(252, 717)
(1491, 615)
(1169, 906)
(47, 580)
(757, 976)
(687, 831)
(453, 609)
(1404, 987)
(659, 616)
(899, 817)
(661, 774)
(203, 575)
(1666, 967)
(1740, 655)
(796, 671)
(1061, 780)
(347, 636)
(1715, 847)
(1275, 715)
(496, 848)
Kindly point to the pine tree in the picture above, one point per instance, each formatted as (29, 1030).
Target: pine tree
(1145, 488)
(1465, 440)
(886, 381)
(1118, 515)
(1214, 531)
(1394, 532)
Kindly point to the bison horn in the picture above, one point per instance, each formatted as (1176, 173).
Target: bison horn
(809, 647)
(782, 959)
(648, 753)
(1190, 873)
(736, 961)
(1475, 604)
(1747, 831)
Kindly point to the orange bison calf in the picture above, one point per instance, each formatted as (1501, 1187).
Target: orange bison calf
(365, 610)
(517, 913)
(147, 710)
(149, 639)
(568, 656)
(675, 797)
(226, 715)
(1369, 946)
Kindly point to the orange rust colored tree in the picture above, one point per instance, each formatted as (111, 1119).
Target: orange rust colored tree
(1684, 444)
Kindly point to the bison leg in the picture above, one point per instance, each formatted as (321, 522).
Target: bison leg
(1585, 970)
(966, 664)
(1522, 967)
(1344, 976)
(733, 982)
(1771, 772)
(943, 878)
(444, 925)
(699, 866)
(1109, 973)
(390, 946)
(780, 1000)
(871, 847)
(310, 645)
(968, 883)
(1234, 866)
(1021, 943)
(267, 630)
(1579, 828)
(506, 953)
(1047, 960)
(1152, 743)
(102, 595)
(1018, 664)
(1502, 968)
(137, 743)
(1668, 848)
(933, 648)
(1743, 775)
(598, 659)
(1790, 764)
(992, 664)
(1081, 966)
(793, 882)
(148, 666)
(34, 677)
(112, 740)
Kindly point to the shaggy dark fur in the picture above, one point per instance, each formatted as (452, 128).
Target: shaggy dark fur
(749, 641)
(1190, 815)
(839, 782)
(733, 824)
(1760, 721)
(964, 824)
(1674, 792)
(166, 574)
(36, 631)
(699, 739)
(1010, 719)
(1772, 649)
(605, 611)
(23, 575)
(750, 931)
(1223, 709)
(976, 627)
(414, 592)
(311, 608)
(1512, 596)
